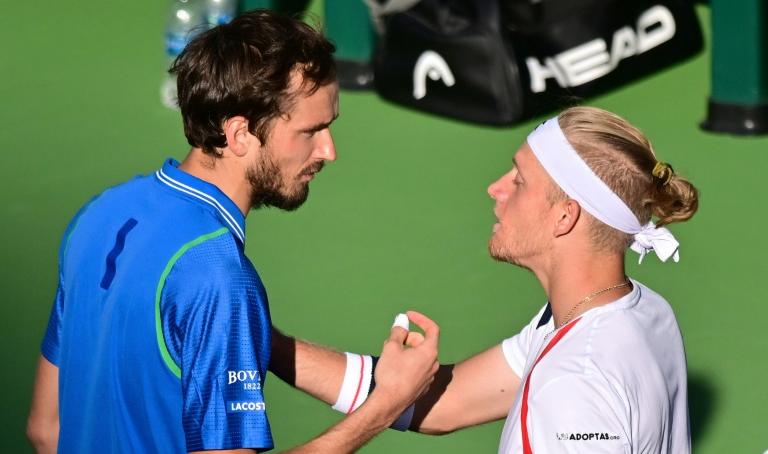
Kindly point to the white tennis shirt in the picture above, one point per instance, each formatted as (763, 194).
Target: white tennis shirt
(615, 382)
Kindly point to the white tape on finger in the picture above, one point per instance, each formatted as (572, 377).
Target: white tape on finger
(402, 321)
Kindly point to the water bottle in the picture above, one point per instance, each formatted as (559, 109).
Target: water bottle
(219, 12)
(184, 21)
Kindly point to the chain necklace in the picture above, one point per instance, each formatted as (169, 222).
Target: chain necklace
(589, 298)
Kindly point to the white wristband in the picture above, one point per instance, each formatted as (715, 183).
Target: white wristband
(356, 384)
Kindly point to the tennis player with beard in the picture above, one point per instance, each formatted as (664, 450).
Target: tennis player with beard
(160, 337)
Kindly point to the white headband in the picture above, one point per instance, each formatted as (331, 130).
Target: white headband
(577, 179)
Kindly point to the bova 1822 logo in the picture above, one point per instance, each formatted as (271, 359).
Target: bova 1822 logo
(250, 379)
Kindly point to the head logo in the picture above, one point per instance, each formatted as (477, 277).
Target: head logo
(592, 60)
(430, 64)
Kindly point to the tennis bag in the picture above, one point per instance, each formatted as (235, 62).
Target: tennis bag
(499, 62)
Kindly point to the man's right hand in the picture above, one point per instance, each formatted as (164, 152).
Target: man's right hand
(407, 364)
(405, 370)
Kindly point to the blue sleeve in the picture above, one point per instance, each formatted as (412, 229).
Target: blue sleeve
(51, 339)
(50, 346)
(217, 321)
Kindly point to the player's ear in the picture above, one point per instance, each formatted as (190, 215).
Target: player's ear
(239, 138)
(568, 213)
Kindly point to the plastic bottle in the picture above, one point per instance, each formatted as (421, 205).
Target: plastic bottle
(219, 12)
(184, 22)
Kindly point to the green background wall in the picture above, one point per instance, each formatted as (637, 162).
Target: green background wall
(400, 221)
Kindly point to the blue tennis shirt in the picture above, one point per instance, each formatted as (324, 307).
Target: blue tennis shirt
(160, 327)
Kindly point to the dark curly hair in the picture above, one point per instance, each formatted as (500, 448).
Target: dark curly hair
(244, 68)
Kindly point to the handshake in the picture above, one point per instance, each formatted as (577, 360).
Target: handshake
(374, 392)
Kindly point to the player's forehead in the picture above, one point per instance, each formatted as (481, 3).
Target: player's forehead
(313, 104)
(524, 159)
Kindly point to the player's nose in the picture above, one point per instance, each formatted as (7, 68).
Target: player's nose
(327, 148)
(495, 190)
